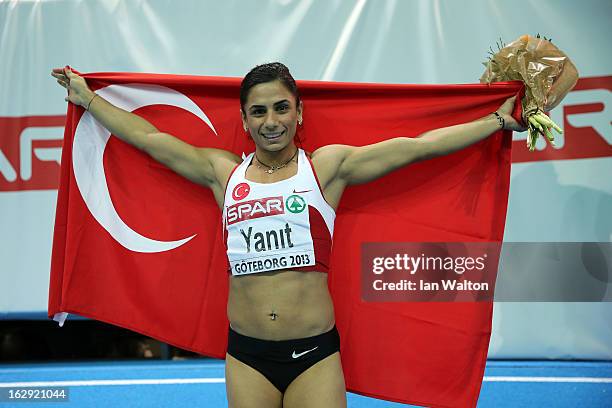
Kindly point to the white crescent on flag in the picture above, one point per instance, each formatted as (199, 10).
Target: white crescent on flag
(90, 140)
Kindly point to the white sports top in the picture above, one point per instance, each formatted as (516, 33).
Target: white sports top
(282, 225)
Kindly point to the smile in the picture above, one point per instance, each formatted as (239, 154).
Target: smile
(273, 136)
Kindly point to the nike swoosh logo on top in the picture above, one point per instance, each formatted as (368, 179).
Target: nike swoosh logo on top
(300, 191)
(294, 355)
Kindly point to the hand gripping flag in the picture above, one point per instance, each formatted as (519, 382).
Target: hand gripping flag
(137, 246)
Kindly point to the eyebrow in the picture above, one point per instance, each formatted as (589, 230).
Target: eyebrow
(275, 104)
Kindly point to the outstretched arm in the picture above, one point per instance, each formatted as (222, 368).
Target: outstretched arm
(356, 165)
(200, 165)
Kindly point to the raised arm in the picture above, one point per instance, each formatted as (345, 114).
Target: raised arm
(356, 165)
(205, 166)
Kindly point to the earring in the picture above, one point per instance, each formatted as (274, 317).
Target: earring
(299, 121)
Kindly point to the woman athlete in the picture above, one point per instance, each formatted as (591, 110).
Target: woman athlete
(283, 346)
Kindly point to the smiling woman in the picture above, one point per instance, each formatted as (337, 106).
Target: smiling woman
(271, 110)
(279, 303)
(278, 207)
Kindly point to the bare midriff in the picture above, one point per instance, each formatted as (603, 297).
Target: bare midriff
(280, 305)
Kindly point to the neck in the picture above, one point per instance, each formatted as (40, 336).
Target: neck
(276, 158)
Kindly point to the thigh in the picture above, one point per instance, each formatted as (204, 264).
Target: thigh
(321, 385)
(247, 387)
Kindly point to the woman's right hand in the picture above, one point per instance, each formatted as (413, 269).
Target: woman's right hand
(78, 91)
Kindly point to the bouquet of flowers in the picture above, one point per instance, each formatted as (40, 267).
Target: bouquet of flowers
(548, 75)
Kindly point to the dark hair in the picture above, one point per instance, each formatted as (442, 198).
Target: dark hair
(267, 73)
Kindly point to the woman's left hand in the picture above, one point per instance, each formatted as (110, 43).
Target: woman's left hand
(505, 111)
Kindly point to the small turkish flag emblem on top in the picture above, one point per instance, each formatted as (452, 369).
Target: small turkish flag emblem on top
(241, 191)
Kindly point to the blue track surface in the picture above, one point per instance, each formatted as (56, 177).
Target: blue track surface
(201, 383)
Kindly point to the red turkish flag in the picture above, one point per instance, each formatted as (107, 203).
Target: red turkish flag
(137, 246)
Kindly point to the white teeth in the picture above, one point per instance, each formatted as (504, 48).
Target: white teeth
(273, 135)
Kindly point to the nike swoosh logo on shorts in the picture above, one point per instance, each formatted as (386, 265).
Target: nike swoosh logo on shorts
(294, 355)
(301, 191)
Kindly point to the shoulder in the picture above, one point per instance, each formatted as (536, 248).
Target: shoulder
(220, 154)
(222, 163)
(333, 152)
(327, 160)
(219, 157)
